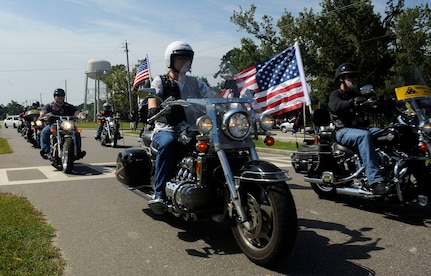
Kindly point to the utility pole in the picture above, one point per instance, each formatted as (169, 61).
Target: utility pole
(128, 78)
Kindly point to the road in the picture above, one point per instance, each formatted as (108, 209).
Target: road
(103, 229)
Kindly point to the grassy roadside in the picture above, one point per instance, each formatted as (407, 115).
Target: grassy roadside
(26, 240)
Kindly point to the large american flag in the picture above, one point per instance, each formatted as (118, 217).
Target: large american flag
(278, 83)
(142, 74)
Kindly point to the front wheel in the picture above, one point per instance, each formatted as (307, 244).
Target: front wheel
(272, 214)
(68, 157)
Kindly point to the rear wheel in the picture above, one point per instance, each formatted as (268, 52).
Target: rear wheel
(68, 156)
(272, 214)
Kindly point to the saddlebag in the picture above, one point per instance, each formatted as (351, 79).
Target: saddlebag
(312, 159)
(133, 167)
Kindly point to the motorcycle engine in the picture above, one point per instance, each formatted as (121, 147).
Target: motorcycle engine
(185, 192)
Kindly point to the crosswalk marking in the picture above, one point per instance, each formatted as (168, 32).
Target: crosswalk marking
(45, 174)
(101, 170)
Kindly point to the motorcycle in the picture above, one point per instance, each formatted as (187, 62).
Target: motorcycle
(219, 176)
(403, 148)
(110, 133)
(63, 141)
(36, 130)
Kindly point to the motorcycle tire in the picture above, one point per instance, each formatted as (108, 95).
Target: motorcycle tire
(68, 157)
(272, 213)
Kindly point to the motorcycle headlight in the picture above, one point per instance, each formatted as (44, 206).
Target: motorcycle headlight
(204, 124)
(39, 123)
(266, 122)
(236, 124)
(67, 125)
(427, 129)
(111, 124)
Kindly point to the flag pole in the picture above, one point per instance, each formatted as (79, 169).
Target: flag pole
(148, 64)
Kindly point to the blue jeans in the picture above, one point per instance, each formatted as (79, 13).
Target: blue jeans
(44, 139)
(166, 144)
(362, 139)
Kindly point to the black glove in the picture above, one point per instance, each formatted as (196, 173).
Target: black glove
(358, 100)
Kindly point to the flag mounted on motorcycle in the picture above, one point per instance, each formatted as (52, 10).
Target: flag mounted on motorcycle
(278, 83)
(142, 74)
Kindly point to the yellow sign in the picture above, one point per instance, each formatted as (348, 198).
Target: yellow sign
(412, 91)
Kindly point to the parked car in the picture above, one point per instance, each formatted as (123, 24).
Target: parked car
(12, 121)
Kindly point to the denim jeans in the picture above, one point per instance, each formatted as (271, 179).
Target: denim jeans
(362, 140)
(166, 144)
(44, 139)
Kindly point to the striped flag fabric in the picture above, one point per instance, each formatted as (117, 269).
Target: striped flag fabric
(278, 83)
(142, 74)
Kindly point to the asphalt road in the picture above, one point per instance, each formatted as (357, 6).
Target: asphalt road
(104, 229)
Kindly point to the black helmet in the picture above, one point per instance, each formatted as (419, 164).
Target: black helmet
(107, 107)
(59, 92)
(35, 105)
(346, 68)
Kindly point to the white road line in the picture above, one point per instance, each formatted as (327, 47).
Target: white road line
(106, 170)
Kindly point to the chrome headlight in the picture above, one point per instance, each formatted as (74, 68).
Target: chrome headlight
(266, 122)
(39, 123)
(67, 125)
(111, 124)
(204, 124)
(236, 124)
(427, 129)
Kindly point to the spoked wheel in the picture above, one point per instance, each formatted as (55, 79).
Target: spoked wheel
(67, 158)
(272, 214)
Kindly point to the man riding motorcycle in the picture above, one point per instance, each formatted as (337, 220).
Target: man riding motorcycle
(178, 57)
(106, 112)
(352, 130)
(60, 108)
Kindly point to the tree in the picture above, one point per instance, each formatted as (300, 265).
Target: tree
(345, 30)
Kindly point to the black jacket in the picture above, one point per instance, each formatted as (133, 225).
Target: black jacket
(343, 112)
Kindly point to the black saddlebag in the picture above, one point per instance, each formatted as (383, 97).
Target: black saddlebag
(133, 167)
(312, 159)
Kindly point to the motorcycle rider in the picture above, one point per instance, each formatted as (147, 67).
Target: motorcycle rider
(106, 112)
(352, 130)
(178, 58)
(60, 108)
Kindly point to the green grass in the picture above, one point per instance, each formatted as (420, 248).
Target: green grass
(4, 146)
(26, 240)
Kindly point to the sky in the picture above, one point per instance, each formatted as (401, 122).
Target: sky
(46, 44)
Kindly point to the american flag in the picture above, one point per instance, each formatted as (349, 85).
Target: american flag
(142, 74)
(278, 83)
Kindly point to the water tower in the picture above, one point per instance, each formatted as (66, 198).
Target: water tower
(95, 68)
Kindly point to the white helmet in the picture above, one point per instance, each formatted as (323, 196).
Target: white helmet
(107, 106)
(177, 48)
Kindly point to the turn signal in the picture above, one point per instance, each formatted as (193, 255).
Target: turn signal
(202, 146)
(52, 130)
(269, 141)
(78, 130)
(424, 147)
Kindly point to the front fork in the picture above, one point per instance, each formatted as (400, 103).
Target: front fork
(235, 196)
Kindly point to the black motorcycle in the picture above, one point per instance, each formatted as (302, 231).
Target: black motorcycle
(220, 177)
(63, 141)
(403, 149)
(110, 132)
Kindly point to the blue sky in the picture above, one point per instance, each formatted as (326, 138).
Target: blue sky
(46, 44)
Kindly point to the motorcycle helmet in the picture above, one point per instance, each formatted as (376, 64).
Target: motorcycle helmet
(177, 48)
(346, 68)
(59, 92)
(35, 105)
(107, 107)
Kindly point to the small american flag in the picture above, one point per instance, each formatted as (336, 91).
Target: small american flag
(278, 83)
(142, 74)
